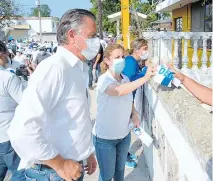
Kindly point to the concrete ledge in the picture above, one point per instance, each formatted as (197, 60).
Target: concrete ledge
(194, 122)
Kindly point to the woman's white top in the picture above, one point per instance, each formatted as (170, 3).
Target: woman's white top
(113, 112)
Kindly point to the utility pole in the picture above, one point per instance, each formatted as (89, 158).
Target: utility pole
(137, 20)
(38, 4)
(125, 21)
(100, 19)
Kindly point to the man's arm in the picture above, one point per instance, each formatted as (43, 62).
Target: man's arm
(26, 131)
(15, 88)
(204, 94)
(96, 61)
(26, 128)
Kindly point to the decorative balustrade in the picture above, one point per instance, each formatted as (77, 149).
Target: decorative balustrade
(175, 46)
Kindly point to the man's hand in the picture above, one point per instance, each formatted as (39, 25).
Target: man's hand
(66, 169)
(91, 165)
(136, 120)
(30, 67)
(177, 75)
(70, 170)
(94, 66)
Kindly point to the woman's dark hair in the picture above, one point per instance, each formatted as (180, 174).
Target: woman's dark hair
(3, 47)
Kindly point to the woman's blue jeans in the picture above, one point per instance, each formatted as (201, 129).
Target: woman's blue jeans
(111, 156)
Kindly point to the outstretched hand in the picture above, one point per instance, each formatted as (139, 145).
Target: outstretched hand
(177, 74)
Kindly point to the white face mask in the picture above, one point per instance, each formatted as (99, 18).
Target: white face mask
(118, 65)
(93, 46)
(145, 56)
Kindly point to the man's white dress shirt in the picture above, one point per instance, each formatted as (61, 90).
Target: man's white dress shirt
(53, 117)
(11, 90)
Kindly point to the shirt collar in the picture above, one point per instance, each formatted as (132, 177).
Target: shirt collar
(69, 56)
(111, 76)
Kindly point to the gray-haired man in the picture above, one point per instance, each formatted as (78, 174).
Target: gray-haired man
(51, 129)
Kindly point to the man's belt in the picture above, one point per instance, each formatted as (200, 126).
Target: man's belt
(46, 166)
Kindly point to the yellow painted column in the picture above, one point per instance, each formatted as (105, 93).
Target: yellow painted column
(125, 16)
(189, 16)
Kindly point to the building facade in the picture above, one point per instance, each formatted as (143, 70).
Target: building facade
(190, 16)
(29, 28)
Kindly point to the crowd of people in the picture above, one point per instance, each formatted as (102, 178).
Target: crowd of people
(46, 131)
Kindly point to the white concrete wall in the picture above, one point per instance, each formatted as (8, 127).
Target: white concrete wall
(47, 25)
(181, 149)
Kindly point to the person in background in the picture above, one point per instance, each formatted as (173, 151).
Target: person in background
(138, 53)
(53, 137)
(204, 94)
(103, 43)
(20, 57)
(55, 50)
(90, 73)
(51, 43)
(13, 46)
(111, 130)
(12, 65)
(40, 56)
(11, 90)
(96, 66)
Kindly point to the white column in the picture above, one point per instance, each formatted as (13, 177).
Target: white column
(176, 58)
(195, 56)
(185, 56)
(118, 28)
(166, 58)
(204, 58)
(156, 58)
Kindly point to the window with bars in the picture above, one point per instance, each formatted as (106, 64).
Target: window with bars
(179, 24)
(208, 22)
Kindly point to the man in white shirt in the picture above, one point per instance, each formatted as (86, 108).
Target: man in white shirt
(11, 90)
(51, 130)
(20, 57)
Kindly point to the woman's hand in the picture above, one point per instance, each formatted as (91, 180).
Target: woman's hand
(136, 120)
(151, 71)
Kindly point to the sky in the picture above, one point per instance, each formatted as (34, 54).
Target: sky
(58, 7)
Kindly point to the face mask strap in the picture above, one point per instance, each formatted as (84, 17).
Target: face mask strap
(82, 38)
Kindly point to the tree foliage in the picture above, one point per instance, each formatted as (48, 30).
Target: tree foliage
(148, 8)
(8, 10)
(112, 6)
(108, 7)
(44, 8)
